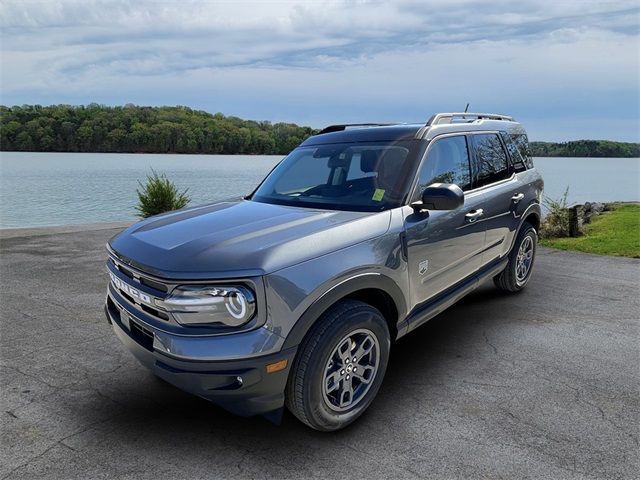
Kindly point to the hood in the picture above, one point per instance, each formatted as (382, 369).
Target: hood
(240, 238)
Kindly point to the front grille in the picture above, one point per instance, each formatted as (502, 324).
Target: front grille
(139, 278)
(155, 312)
(145, 308)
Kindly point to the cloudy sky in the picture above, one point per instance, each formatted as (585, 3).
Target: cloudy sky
(567, 69)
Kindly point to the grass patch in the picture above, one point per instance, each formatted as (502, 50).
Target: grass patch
(616, 232)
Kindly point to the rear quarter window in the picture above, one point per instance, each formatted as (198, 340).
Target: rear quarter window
(518, 147)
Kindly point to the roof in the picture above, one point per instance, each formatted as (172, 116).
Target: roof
(438, 124)
(382, 133)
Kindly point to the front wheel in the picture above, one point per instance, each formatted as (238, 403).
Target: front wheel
(339, 367)
(517, 273)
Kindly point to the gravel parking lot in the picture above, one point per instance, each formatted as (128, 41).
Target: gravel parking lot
(544, 384)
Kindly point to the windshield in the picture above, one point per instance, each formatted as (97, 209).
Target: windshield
(358, 176)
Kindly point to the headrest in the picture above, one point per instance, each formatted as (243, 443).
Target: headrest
(368, 160)
(339, 161)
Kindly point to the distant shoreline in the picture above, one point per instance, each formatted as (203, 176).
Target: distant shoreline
(585, 148)
(136, 129)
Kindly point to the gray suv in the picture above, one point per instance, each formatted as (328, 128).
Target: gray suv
(294, 294)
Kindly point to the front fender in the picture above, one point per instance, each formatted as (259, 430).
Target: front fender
(298, 295)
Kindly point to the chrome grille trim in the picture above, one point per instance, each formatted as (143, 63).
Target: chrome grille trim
(137, 278)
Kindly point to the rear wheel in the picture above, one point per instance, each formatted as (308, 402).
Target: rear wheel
(339, 367)
(521, 258)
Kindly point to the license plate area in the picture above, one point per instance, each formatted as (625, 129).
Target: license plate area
(141, 335)
(124, 318)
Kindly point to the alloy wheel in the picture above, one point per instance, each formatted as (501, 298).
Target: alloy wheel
(351, 370)
(524, 260)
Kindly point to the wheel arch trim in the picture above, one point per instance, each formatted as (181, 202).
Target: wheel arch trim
(534, 209)
(362, 281)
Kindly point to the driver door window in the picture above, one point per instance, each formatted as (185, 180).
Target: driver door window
(447, 162)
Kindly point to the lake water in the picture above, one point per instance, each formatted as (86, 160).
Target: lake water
(41, 189)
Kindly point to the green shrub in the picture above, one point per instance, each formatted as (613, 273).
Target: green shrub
(556, 221)
(158, 195)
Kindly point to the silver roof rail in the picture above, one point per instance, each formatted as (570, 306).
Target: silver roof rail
(440, 118)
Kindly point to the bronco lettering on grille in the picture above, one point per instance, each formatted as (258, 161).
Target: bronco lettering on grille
(129, 290)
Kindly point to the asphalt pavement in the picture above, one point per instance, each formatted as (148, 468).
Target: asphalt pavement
(543, 384)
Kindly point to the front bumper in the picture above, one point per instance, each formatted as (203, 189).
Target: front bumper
(241, 386)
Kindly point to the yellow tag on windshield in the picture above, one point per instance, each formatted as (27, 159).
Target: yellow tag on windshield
(378, 194)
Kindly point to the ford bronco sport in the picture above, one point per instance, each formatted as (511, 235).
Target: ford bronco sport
(293, 294)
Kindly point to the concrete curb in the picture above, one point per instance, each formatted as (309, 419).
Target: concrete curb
(40, 231)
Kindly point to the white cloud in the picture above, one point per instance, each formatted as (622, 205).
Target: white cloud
(356, 57)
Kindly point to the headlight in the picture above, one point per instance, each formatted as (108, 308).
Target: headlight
(199, 305)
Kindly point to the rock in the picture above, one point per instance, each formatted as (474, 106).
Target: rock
(591, 208)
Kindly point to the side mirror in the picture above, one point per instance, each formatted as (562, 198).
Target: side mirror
(440, 196)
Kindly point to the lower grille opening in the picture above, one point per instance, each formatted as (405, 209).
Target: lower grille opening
(141, 335)
(113, 310)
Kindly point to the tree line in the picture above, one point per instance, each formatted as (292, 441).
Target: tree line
(136, 129)
(585, 148)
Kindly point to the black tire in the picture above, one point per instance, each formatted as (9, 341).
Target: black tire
(511, 278)
(305, 395)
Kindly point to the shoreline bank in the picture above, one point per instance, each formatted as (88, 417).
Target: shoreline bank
(52, 230)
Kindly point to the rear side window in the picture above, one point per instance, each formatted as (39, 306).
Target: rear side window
(518, 147)
(522, 142)
(446, 162)
(491, 160)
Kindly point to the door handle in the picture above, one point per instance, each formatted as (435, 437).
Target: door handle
(473, 215)
(516, 198)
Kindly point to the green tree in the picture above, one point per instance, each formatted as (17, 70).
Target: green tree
(141, 129)
(24, 142)
(8, 134)
(84, 138)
